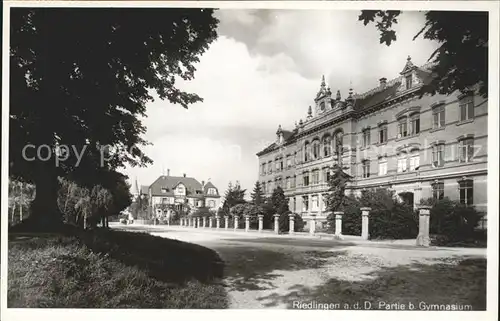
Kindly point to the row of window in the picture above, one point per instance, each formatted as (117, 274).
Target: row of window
(312, 178)
(194, 202)
(407, 125)
(466, 190)
(411, 161)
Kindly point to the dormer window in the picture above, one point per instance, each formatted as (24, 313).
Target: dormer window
(409, 81)
(211, 191)
(164, 190)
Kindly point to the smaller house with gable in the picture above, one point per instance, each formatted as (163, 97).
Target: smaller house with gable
(179, 193)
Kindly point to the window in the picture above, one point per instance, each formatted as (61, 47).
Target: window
(382, 134)
(366, 137)
(288, 183)
(402, 127)
(263, 187)
(269, 186)
(438, 155)
(294, 204)
(466, 106)
(402, 162)
(305, 203)
(211, 204)
(327, 146)
(307, 150)
(269, 167)
(414, 160)
(366, 168)
(212, 191)
(294, 179)
(414, 124)
(306, 179)
(278, 166)
(164, 200)
(438, 190)
(339, 144)
(466, 192)
(263, 168)
(315, 203)
(324, 202)
(316, 148)
(281, 163)
(326, 174)
(289, 161)
(466, 150)
(438, 116)
(382, 166)
(315, 177)
(409, 82)
(164, 189)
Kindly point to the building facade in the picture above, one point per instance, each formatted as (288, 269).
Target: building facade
(175, 192)
(420, 147)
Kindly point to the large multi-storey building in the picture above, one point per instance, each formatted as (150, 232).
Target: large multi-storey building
(177, 191)
(430, 146)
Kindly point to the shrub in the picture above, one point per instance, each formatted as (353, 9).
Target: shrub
(452, 221)
(389, 218)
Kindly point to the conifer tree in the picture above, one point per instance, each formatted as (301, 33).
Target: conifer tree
(337, 186)
(257, 195)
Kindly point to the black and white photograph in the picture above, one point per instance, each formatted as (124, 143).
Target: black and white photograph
(322, 156)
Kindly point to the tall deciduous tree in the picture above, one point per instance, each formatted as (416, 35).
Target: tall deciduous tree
(85, 85)
(257, 195)
(461, 60)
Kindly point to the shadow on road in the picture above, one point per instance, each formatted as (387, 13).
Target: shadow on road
(164, 259)
(255, 268)
(422, 285)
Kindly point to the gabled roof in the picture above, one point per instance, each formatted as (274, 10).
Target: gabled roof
(389, 92)
(210, 185)
(170, 182)
(288, 136)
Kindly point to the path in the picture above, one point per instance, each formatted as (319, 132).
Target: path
(268, 271)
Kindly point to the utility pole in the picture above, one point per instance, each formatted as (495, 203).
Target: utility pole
(21, 207)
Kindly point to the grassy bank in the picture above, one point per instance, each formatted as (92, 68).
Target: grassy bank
(112, 269)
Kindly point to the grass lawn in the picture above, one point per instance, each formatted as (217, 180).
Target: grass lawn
(112, 269)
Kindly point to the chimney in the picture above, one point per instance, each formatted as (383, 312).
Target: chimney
(184, 174)
(383, 82)
(168, 172)
(202, 183)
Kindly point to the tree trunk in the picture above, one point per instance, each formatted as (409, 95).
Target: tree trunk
(45, 214)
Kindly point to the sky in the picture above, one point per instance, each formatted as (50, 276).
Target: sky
(264, 70)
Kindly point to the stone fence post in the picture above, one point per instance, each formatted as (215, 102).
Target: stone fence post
(291, 229)
(276, 223)
(204, 221)
(312, 224)
(424, 215)
(181, 221)
(338, 223)
(192, 221)
(226, 221)
(210, 219)
(217, 221)
(198, 222)
(247, 223)
(261, 222)
(365, 223)
(236, 222)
